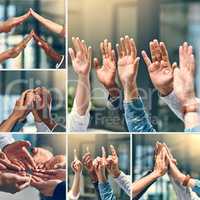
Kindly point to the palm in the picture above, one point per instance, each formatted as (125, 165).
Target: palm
(126, 70)
(106, 74)
(81, 66)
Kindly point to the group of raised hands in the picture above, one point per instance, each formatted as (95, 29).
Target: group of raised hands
(165, 163)
(98, 169)
(168, 79)
(22, 166)
(36, 101)
(8, 25)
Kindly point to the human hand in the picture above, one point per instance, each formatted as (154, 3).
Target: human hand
(18, 151)
(128, 65)
(56, 162)
(12, 183)
(113, 163)
(107, 73)
(47, 48)
(160, 68)
(87, 161)
(55, 174)
(8, 25)
(81, 57)
(41, 156)
(184, 76)
(15, 51)
(47, 188)
(161, 164)
(76, 165)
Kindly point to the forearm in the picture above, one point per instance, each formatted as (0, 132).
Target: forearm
(140, 185)
(54, 55)
(75, 190)
(83, 95)
(8, 124)
(4, 56)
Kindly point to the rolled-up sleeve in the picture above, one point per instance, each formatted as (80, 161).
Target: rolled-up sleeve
(5, 140)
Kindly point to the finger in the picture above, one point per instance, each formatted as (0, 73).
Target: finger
(2, 167)
(29, 158)
(75, 155)
(75, 44)
(122, 47)
(136, 64)
(84, 46)
(164, 52)
(72, 54)
(113, 151)
(127, 45)
(102, 49)
(113, 56)
(103, 152)
(192, 65)
(133, 48)
(105, 46)
(147, 60)
(21, 19)
(153, 52)
(157, 50)
(87, 149)
(89, 55)
(23, 186)
(96, 64)
(10, 165)
(80, 45)
(110, 51)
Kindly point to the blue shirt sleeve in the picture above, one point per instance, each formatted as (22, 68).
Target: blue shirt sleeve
(192, 130)
(196, 188)
(60, 192)
(106, 191)
(136, 117)
(18, 126)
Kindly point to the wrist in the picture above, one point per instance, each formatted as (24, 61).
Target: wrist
(166, 91)
(102, 178)
(113, 90)
(156, 174)
(14, 117)
(130, 93)
(191, 105)
(50, 123)
(116, 173)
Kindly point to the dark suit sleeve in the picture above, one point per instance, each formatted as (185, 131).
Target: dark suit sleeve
(18, 126)
(60, 192)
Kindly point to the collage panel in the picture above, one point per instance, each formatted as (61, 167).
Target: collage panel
(32, 34)
(99, 166)
(20, 179)
(32, 101)
(165, 166)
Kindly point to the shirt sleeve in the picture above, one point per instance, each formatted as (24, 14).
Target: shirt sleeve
(193, 130)
(136, 117)
(106, 191)
(76, 122)
(196, 187)
(174, 104)
(41, 127)
(124, 182)
(5, 140)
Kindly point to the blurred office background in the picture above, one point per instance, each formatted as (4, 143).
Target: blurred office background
(185, 149)
(171, 21)
(33, 56)
(94, 143)
(13, 83)
(56, 144)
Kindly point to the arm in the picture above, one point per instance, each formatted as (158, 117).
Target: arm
(8, 25)
(52, 26)
(15, 51)
(81, 61)
(47, 48)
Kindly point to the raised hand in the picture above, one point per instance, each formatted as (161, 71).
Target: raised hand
(160, 69)
(76, 165)
(47, 48)
(184, 76)
(113, 163)
(52, 26)
(81, 57)
(13, 183)
(107, 73)
(8, 25)
(128, 63)
(18, 151)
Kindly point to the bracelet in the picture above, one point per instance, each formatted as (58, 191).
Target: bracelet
(186, 180)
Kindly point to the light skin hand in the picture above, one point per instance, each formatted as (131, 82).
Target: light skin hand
(56, 162)
(128, 64)
(8, 25)
(107, 73)
(81, 61)
(99, 166)
(18, 151)
(113, 163)
(52, 26)
(159, 68)
(13, 183)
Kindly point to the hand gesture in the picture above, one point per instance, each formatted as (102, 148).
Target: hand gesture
(47, 48)
(81, 57)
(15, 51)
(106, 74)
(56, 162)
(113, 163)
(161, 165)
(18, 151)
(160, 69)
(128, 63)
(8, 25)
(76, 165)
(13, 183)
(184, 76)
